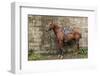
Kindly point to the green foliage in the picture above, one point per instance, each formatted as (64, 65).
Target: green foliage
(34, 56)
(84, 51)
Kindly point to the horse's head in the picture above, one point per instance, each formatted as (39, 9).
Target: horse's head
(51, 26)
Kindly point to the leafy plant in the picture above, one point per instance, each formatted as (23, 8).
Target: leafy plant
(83, 51)
(34, 56)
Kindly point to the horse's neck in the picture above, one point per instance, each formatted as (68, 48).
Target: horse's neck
(56, 28)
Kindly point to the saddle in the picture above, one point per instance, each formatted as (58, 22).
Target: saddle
(67, 30)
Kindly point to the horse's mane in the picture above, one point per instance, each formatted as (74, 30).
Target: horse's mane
(56, 25)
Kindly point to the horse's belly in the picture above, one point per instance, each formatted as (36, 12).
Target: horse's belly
(68, 37)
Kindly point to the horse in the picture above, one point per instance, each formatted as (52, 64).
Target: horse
(62, 37)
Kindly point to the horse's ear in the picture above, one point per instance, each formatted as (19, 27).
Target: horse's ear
(50, 22)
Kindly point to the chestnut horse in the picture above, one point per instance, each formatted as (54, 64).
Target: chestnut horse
(61, 37)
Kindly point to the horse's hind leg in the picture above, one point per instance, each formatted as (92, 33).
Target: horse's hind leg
(77, 43)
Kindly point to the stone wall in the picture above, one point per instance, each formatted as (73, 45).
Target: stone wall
(41, 41)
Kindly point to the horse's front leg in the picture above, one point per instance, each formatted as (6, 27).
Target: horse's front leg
(61, 52)
(57, 47)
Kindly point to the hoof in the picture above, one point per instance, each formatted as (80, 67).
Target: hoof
(61, 57)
